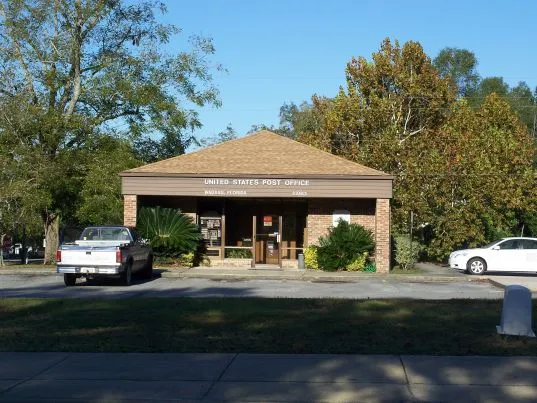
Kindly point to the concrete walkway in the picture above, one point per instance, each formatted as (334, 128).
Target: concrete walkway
(115, 377)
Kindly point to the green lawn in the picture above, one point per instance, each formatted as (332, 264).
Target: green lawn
(461, 327)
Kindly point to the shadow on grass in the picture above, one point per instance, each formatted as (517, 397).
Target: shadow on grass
(227, 325)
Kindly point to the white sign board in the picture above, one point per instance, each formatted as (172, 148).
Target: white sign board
(337, 215)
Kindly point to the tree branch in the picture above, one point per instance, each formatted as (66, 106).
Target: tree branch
(77, 49)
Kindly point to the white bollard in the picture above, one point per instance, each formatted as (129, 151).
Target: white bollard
(516, 312)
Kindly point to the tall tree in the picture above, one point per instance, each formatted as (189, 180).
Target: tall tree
(524, 103)
(452, 163)
(388, 102)
(471, 176)
(460, 66)
(488, 86)
(295, 120)
(78, 68)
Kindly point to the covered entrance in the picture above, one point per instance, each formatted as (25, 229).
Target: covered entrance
(267, 230)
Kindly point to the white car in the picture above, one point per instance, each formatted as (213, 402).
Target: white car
(516, 254)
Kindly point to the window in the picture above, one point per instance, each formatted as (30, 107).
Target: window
(529, 244)
(511, 244)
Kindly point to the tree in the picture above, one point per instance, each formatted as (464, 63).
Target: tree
(100, 198)
(486, 87)
(80, 68)
(464, 172)
(459, 65)
(524, 103)
(296, 120)
(389, 104)
(226, 135)
(477, 176)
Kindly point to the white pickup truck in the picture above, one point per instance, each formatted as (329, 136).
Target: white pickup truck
(105, 251)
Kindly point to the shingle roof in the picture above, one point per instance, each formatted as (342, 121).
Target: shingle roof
(261, 153)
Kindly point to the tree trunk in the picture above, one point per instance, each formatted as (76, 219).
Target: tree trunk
(52, 223)
(2, 236)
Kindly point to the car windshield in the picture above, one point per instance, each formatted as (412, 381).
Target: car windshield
(105, 234)
(490, 245)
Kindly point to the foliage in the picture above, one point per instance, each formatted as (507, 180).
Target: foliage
(71, 71)
(226, 135)
(100, 199)
(370, 268)
(239, 253)
(520, 98)
(478, 172)
(463, 170)
(187, 259)
(406, 251)
(459, 65)
(171, 233)
(310, 257)
(359, 263)
(295, 120)
(343, 245)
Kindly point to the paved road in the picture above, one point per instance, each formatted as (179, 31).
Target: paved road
(53, 287)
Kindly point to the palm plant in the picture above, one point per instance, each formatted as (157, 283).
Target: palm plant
(170, 232)
(343, 245)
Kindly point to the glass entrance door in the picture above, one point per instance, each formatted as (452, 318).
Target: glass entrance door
(267, 239)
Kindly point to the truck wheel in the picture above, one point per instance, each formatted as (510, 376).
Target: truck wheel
(147, 272)
(126, 276)
(69, 279)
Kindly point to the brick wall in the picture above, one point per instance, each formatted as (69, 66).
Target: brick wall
(129, 210)
(382, 236)
(320, 212)
(370, 213)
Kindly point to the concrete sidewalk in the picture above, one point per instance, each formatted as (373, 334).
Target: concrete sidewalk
(116, 377)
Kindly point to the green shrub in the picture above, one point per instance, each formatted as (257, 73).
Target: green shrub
(343, 244)
(170, 232)
(239, 253)
(370, 268)
(186, 259)
(406, 253)
(310, 257)
(359, 263)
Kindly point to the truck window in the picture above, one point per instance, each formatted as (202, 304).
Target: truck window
(106, 234)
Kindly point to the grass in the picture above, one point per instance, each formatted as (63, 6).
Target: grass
(457, 327)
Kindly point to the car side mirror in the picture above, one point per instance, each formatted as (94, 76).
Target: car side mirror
(496, 248)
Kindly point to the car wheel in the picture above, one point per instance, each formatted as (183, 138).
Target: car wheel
(147, 272)
(476, 266)
(69, 279)
(126, 276)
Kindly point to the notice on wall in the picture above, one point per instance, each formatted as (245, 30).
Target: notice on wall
(338, 215)
(267, 221)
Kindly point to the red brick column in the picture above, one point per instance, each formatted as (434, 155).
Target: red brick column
(129, 210)
(382, 236)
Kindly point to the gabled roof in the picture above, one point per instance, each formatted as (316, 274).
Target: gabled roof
(261, 153)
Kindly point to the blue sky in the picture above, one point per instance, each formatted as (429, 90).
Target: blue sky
(278, 51)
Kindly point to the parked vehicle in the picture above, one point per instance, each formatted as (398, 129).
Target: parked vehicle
(16, 249)
(105, 251)
(515, 254)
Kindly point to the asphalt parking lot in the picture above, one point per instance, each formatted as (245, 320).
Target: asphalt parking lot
(51, 286)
